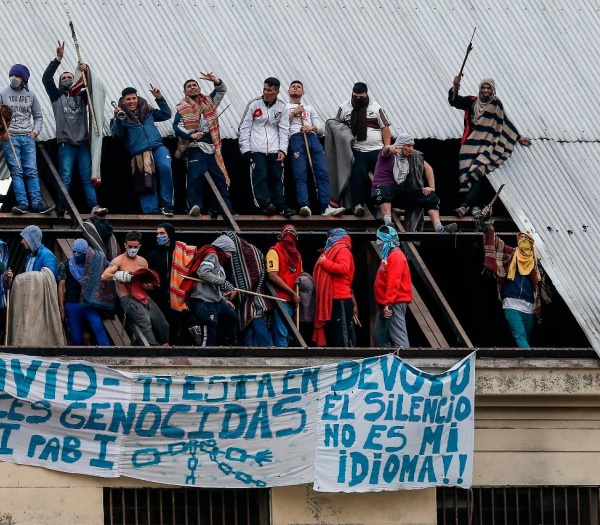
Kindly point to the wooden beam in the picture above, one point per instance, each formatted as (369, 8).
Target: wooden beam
(226, 211)
(287, 320)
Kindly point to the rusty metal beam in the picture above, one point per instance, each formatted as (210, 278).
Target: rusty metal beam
(415, 257)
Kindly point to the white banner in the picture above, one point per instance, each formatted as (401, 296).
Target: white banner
(375, 424)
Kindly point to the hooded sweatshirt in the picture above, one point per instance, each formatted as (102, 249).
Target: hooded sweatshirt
(40, 256)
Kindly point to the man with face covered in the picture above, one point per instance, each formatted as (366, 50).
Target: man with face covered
(70, 279)
(197, 126)
(24, 128)
(149, 156)
(371, 129)
(38, 256)
(521, 282)
(69, 104)
(263, 136)
(488, 140)
(134, 281)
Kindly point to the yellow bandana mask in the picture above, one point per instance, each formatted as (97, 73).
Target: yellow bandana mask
(524, 257)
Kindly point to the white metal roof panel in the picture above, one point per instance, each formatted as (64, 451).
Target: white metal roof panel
(542, 54)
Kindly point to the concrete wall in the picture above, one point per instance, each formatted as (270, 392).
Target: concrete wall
(536, 423)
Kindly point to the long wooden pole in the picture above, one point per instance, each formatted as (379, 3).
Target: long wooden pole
(273, 298)
(12, 148)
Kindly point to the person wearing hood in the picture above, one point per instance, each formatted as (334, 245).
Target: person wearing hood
(38, 256)
(521, 282)
(488, 140)
(24, 128)
(402, 178)
(371, 130)
(134, 124)
(393, 291)
(70, 279)
(69, 103)
(333, 275)
(134, 282)
(284, 266)
(207, 301)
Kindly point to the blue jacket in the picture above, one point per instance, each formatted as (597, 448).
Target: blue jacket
(137, 137)
(43, 258)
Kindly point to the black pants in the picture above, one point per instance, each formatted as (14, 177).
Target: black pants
(266, 173)
(360, 182)
(405, 197)
(209, 315)
(339, 330)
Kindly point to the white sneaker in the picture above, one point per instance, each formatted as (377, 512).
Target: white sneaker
(335, 212)
(305, 211)
(98, 210)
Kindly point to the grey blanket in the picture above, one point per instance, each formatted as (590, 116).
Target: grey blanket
(339, 156)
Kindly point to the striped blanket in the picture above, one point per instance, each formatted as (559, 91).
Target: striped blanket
(490, 143)
(182, 256)
(95, 291)
(248, 274)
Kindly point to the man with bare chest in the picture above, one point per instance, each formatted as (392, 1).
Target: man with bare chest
(143, 318)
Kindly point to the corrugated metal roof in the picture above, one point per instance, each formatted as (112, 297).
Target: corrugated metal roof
(552, 191)
(539, 53)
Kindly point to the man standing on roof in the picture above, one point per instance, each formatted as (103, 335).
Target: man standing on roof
(23, 132)
(69, 103)
(488, 140)
(263, 136)
(305, 127)
(139, 134)
(393, 291)
(143, 318)
(197, 126)
(402, 178)
(371, 129)
(521, 282)
(284, 266)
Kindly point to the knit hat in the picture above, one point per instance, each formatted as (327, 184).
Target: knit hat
(33, 235)
(129, 91)
(404, 139)
(224, 243)
(21, 71)
(79, 245)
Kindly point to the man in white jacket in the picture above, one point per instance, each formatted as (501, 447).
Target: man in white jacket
(263, 136)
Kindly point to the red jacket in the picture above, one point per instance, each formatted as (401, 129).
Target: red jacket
(341, 269)
(393, 284)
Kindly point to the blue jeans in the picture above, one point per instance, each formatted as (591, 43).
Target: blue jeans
(197, 186)
(67, 156)
(151, 202)
(299, 158)
(279, 331)
(521, 326)
(24, 179)
(257, 335)
(77, 313)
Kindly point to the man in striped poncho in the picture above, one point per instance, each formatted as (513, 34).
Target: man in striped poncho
(488, 140)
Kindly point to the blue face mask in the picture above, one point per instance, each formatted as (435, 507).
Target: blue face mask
(79, 258)
(161, 240)
(15, 82)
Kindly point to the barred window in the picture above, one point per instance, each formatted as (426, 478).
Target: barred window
(518, 506)
(186, 506)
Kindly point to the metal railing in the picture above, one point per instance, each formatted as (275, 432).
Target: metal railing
(186, 506)
(518, 506)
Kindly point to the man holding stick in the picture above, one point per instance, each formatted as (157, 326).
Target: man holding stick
(304, 147)
(70, 106)
(18, 144)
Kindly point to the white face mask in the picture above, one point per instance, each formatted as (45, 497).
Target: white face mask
(15, 82)
(132, 252)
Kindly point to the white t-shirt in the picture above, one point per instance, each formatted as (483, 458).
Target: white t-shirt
(310, 117)
(375, 114)
(520, 305)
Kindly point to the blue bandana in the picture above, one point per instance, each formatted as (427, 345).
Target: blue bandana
(333, 236)
(390, 241)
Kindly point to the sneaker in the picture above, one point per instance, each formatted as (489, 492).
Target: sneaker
(98, 210)
(20, 210)
(476, 212)
(286, 212)
(269, 210)
(461, 211)
(334, 212)
(305, 211)
(359, 210)
(40, 208)
(449, 228)
(194, 211)
(167, 211)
